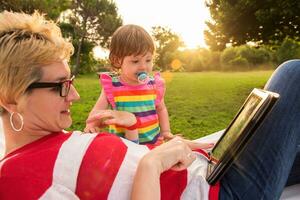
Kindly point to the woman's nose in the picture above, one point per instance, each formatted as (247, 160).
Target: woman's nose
(73, 94)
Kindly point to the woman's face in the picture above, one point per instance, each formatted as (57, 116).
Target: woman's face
(43, 109)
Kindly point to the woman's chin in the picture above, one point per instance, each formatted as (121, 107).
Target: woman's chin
(66, 122)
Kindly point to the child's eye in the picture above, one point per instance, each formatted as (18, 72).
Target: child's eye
(150, 60)
(135, 61)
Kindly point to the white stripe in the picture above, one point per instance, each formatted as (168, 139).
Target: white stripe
(67, 166)
(57, 192)
(122, 185)
(197, 188)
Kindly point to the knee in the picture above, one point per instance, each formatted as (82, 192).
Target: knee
(287, 75)
(290, 66)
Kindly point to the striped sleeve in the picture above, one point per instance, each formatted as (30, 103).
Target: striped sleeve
(119, 166)
(108, 168)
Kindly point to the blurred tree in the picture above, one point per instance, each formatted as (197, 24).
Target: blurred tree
(93, 21)
(86, 54)
(52, 8)
(167, 43)
(289, 49)
(86, 23)
(261, 21)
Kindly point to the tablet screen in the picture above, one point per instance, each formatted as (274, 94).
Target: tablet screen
(237, 126)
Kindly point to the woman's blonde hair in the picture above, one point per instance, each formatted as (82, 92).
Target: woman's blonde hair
(129, 40)
(27, 43)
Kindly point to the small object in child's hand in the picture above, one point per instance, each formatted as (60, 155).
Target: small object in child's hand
(142, 77)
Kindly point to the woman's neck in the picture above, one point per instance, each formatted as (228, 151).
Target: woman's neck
(15, 140)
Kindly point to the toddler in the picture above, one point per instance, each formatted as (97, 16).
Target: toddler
(133, 88)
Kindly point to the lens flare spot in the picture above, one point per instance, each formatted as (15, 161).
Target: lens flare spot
(168, 76)
(176, 64)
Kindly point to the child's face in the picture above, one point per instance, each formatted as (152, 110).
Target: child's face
(134, 64)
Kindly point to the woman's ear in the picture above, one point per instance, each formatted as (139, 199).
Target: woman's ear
(9, 107)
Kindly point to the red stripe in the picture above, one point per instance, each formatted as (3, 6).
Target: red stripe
(202, 152)
(172, 184)
(148, 123)
(133, 92)
(27, 172)
(214, 191)
(97, 175)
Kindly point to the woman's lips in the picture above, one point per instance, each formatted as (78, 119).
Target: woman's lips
(66, 112)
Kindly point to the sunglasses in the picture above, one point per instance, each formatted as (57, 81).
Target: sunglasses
(63, 86)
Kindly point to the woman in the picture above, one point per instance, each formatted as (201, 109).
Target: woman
(44, 162)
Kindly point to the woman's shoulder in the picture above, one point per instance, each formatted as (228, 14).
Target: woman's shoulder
(106, 140)
(100, 166)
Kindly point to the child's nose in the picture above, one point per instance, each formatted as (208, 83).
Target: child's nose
(144, 65)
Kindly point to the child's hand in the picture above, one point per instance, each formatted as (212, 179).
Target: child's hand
(93, 125)
(110, 117)
(90, 128)
(167, 135)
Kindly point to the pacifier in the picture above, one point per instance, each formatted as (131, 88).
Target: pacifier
(142, 77)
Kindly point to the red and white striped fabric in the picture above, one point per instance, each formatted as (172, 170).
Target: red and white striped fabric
(89, 166)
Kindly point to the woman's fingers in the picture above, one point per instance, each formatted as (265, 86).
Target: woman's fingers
(175, 154)
(186, 160)
(198, 145)
(184, 151)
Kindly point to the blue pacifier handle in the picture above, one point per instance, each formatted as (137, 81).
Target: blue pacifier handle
(142, 77)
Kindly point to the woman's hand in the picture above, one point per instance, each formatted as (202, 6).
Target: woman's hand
(102, 118)
(175, 154)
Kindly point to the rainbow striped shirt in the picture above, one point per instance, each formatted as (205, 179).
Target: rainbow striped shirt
(141, 100)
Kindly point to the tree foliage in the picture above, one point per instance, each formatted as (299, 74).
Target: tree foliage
(167, 45)
(261, 21)
(93, 21)
(86, 23)
(289, 49)
(52, 8)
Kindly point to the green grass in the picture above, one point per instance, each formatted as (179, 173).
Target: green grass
(198, 103)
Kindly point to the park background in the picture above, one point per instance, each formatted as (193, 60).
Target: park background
(212, 53)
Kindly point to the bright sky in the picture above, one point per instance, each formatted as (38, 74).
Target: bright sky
(185, 18)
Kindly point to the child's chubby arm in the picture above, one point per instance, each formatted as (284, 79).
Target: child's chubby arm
(93, 126)
(110, 117)
(132, 135)
(164, 123)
